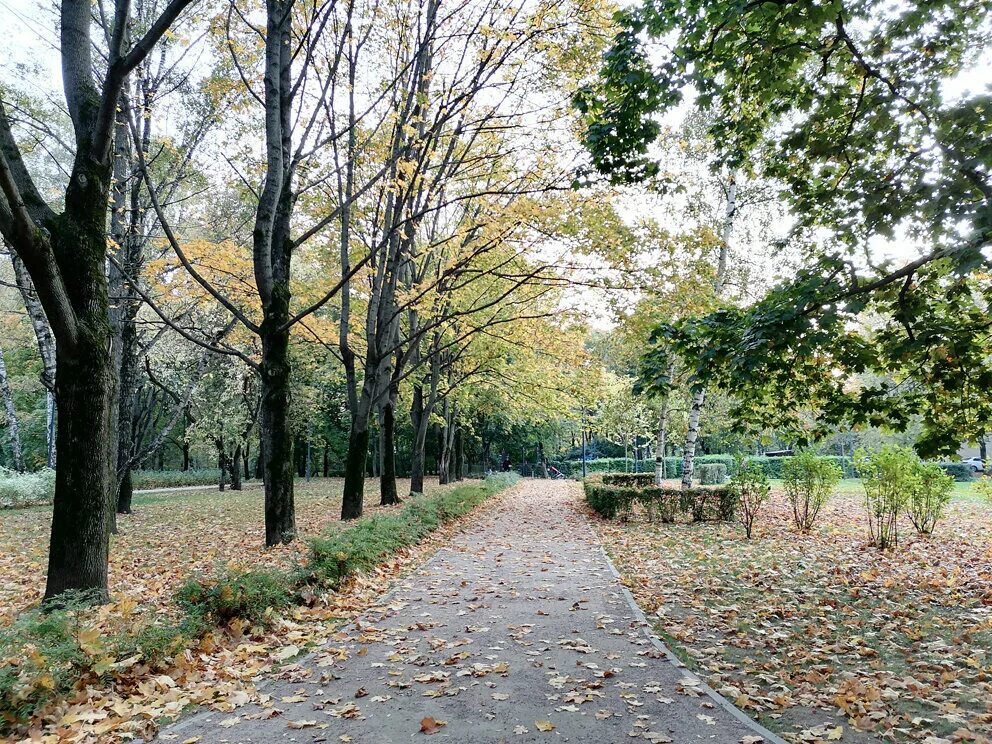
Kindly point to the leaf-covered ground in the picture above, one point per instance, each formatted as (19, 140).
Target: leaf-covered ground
(170, 536)
(821, 636)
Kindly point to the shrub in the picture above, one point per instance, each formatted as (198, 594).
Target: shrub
(252, 596)
(712, 473)
(41, 658)
(628, 479)
(930, 497)
(889, 477)
(749, 486)
(148, 479)
(958, 471)
(703, 504)
(18, 490)
(809, 481)
(984, 488)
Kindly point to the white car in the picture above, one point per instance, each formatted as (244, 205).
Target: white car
(975, 463)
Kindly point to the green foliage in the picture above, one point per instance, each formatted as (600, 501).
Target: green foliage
(712, 473)
(984, 488)
(665, 502)
(842, 104)
(26, 489)
(146, 479)
(252, 596)
(809, 482)
(628, 479)
(41, 658)
(749, 486)
(958, 471)
(929, 499)
(889, 476)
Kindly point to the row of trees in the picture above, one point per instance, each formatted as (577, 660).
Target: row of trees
(246, 217)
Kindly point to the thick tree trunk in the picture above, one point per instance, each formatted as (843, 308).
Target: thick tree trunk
(354, 471)
(13, 429)
(691, 437)
(277, 439)
(387, 480)
(85, 385)
(221, 464)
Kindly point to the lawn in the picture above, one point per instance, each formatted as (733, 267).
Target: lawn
(170, 536)
(821, 637)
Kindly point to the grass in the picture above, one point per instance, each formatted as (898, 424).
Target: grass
(811, 627)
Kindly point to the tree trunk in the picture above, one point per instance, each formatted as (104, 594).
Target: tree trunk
(236, 469)
(221, 464)
(387, 425)
(459, 469)
(354, 471)
(662, 443)
(85, 383)
(542, 460)
(277, 438)
(326, 464)
(185, 456)
(418, 456)
(691, 437)
(125, 491)
(12, 428)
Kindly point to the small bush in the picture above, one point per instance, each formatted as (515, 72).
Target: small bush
(252, 596)
(889, 476)
(809, 482)
(958, 471)
(42, 657)
(18, 490)
(930, 497)
(749, 486)
(712, 473)
(984, 488)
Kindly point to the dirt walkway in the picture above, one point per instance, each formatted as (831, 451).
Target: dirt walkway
(517, 632)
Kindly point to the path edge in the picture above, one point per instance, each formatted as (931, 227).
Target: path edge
(769, 736)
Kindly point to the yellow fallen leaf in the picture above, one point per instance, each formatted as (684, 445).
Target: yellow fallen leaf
(544, 725)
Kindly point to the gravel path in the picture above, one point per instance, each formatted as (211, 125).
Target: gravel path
(517, 632)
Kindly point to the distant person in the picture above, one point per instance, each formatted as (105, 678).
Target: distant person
(506, 463)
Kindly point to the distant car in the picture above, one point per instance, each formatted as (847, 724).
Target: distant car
(975, 463)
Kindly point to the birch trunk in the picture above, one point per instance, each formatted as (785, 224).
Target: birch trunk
(13, 429)
(699, 396)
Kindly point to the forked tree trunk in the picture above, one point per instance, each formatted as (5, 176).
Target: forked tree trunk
(387, 479)
(276, 435)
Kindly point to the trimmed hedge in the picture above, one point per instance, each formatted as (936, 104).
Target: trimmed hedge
(709, 503)
(772, 466)
(712, 473)
(628, 479)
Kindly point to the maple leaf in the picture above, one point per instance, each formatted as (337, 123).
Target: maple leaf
(430, 725)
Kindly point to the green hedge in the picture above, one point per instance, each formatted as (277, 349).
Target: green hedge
(147, 479)
(772, 466)
(708, 503)
(712, 473)
(628, 479)
(958, 471)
